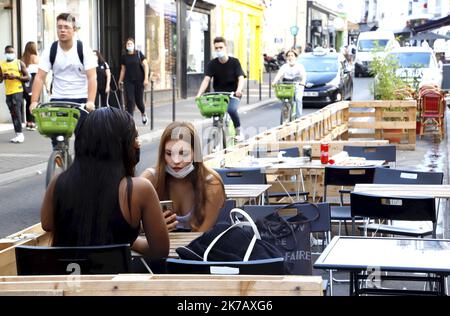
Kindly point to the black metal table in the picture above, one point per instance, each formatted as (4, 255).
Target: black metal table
(368, 258)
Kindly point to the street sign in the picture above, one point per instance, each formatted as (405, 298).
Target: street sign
(294, 30)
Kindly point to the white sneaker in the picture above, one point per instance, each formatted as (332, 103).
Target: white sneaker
(20, 138)
(144, 119)
(14, 139)
(239, 138)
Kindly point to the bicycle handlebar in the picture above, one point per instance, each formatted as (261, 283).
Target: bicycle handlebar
(230, 94)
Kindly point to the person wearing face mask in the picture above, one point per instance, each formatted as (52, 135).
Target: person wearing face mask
(14, 73)
(228, 76)
(103, 80)
(98, 200)
(197, 192)
(133, 77)
(293, 71)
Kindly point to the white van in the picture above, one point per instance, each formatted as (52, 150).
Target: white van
(368, 43)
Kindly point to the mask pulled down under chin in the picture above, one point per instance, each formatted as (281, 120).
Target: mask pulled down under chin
(183, 173)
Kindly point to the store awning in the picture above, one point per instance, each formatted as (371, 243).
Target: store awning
(434, 24)
(428, 36)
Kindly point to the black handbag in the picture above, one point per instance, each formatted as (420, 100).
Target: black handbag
(225, 242)
(291, 236)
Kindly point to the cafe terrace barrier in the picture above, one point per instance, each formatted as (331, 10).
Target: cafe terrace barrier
(141, 284)
(359, 123)
(167, 284)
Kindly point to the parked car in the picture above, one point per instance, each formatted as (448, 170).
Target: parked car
(328, 78)
(417, 66)
(370, 44)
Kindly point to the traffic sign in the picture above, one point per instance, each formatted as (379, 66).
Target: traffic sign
(294, 30)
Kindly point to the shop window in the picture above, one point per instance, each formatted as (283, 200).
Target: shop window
(161, 40)
(197, 27)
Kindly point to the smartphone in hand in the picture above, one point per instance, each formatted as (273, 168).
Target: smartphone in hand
(166, 205)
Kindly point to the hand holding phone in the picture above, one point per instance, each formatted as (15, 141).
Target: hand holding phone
(169, 216)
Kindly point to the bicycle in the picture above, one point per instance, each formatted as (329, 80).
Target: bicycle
(214, 105)
(285, 92)
(57, 120)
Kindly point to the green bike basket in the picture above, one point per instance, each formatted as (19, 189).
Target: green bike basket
(52, 121)
(284, 90)
(214, 104)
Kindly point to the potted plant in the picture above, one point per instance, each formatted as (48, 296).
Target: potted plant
(389, 86)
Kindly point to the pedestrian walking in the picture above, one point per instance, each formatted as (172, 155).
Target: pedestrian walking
(103, 81)
(228, 76)
(73, 65)
(14, 72)
(31, 59)
(133, 77)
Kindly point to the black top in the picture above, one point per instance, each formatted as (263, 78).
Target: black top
(101, 75)
(123, 233)
(133, 66)
(225, 75)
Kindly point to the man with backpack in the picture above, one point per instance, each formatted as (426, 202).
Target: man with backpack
(73, 65)
(15, 73)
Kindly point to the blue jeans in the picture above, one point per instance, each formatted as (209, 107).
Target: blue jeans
(298, 101)
(14, 102)
(232, 110)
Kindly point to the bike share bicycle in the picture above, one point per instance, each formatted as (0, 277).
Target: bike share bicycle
(222, 133)
(57, 120)
(285, 92)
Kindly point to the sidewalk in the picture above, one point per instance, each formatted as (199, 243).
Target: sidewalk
(22, 160)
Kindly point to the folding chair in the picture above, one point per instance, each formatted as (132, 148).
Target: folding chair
(345, 176)
(384, 152)
(400, 176)
(394, 208)
(108, 259)
(224, 213)
(241, 175)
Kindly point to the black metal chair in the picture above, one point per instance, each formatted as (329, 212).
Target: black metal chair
(272, 266)
(383, 152)
(394, 208)
(37, 260)
(398, 176)
(345, 176)
(224, 213)
(241, 175)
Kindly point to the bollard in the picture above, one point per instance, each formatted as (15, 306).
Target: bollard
(151, 105)
(260, 85)
(270, 84)
(248, 86)
(173, 98)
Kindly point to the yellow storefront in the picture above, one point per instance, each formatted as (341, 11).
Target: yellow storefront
(240, 22)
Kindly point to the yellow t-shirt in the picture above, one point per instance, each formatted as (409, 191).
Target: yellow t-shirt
(12, 86)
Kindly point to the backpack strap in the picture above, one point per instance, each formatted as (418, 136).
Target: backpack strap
(80, 51)
(54, 50)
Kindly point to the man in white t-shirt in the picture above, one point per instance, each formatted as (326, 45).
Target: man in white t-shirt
(73, 66)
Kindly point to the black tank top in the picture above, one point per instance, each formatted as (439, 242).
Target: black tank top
(123, 233)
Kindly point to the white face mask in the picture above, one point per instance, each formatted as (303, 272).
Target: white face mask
(220, 54)
(182, 173)
(10, 56)
(130, 48)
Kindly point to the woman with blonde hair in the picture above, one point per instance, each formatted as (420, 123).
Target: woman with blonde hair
(31, 59)
(196, 191)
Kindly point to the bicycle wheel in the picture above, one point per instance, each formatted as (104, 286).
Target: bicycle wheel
(285, 115)
(55, 165)
(215, 140)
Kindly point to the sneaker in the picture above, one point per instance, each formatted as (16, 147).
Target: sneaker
(20, 138)
(144, 119)
(14, 139)
(33, 126)
(239, 137)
